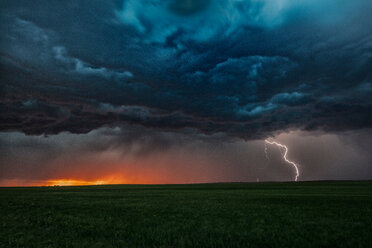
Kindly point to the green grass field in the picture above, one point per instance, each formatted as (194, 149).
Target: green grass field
(311, 214)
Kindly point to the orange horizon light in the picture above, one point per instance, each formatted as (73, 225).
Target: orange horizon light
(72, 182)
(62, 182)
(82, 182)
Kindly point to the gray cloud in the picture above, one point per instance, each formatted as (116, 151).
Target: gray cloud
(182, 157)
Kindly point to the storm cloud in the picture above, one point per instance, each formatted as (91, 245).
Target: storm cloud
(140, 155)
(245, 68)
(166, 78)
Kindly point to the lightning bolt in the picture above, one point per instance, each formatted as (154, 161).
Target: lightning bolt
(284, 155)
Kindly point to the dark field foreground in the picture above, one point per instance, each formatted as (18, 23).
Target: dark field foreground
(312, 214)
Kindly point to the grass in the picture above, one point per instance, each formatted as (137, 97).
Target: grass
(308, 214)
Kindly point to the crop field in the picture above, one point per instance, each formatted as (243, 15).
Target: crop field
(305, 214)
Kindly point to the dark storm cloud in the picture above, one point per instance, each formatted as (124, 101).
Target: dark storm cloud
(244, 68)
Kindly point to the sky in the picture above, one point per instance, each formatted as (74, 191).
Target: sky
(184, 91)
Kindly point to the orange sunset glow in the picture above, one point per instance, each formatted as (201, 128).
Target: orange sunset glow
(170, 168)
(84, 175)
(69, 182)
(72, 182)
(60, 182)
(81, 180)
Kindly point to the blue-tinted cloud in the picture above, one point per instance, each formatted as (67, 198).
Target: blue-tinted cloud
(293, 98)
(206, 19)
(244, 68)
